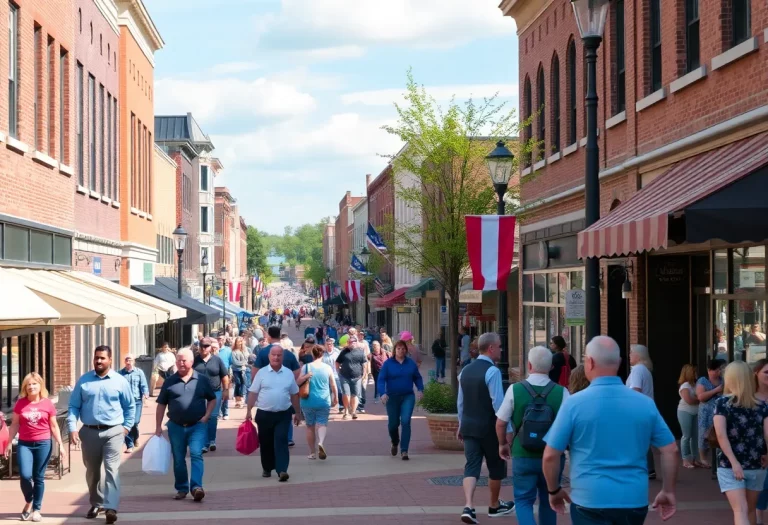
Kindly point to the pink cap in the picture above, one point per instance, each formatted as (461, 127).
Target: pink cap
(406, 335)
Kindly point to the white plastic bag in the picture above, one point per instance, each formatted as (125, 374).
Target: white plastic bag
(156, 459)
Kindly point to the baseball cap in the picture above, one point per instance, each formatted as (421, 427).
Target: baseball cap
(405, 335)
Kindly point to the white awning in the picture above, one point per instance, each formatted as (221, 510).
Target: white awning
(21, 306)
(174, 312)
(79, 303)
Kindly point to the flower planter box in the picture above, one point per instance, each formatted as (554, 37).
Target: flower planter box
(442, 429)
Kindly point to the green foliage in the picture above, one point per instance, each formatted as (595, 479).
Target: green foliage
(302, 245)
(439, 398)
(257, 255)
(441, 173)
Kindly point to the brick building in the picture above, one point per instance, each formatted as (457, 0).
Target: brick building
(165, 216)
(682, 118)
(37, 148)
(329, 246)
(381, 209)
(343, 238)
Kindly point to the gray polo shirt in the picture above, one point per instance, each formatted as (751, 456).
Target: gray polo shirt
(188, 401)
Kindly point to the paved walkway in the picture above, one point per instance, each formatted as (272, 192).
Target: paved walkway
(360, 482)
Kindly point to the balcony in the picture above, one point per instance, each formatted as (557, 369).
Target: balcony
(207, 239)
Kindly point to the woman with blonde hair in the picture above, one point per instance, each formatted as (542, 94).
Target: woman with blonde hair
(742, 433)
(578, 380)
(688, 417)
(34, 418)
(239, 363)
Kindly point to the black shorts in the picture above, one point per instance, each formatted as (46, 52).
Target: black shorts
(477, 449)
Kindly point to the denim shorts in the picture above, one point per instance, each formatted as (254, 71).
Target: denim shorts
(351, 387)
(316, 416)
(753, 480)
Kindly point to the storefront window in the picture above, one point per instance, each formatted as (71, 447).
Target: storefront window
(720, 335)
(552, 288)
(540, 287)
(553, 320)
(720, 265)
(577, 281)
(562, 287)
(749, 325)
(528, 287)
(528, 337)
(539, 326)
(748, 269)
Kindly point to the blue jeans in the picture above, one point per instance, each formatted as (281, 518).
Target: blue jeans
(133, 435)
(192, 437)
(689, 443)
(224, 408)
(585, 516)
(239, 377)
(213, 422)
(528, 481)
(247, 378)
(440, 367)
(33, 457)
(399, 412)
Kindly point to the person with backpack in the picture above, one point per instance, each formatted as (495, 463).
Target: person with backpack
(531, 406)
(562, 361)
(480, 396)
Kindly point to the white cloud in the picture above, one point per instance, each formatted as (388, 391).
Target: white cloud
(333, 53)
(422, 23)
(230, 68)
(218, 99)
(385, 97)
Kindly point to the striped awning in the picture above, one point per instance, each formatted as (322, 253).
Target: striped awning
(642, 223)
(393, 298)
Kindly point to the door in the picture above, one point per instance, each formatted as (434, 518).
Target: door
(617, 316)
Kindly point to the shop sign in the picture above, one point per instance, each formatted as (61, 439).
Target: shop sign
(471, 296)
(97, 266)
(575, 308)
(404, 309)
(443, 316)
(747, 279)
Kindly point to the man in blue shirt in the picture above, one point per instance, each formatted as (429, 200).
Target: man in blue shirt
(609, 429)
(102, 400)
(225, 354)
(138, 382)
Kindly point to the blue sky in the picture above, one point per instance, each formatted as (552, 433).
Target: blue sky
(294, 92)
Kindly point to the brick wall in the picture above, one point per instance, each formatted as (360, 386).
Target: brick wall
(63, 357)
(381, 205)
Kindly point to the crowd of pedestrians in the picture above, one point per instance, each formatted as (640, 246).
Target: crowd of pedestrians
(558, 411)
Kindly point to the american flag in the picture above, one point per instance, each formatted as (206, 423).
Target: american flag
(258, 285)
(380, 287)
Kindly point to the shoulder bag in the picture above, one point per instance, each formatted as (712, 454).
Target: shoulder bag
(304, 387)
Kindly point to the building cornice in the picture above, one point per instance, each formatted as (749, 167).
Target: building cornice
(134, 16)
(524, 12)
(96, 240)
(108, 9)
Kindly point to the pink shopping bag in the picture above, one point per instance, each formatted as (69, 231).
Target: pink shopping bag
(247, 439)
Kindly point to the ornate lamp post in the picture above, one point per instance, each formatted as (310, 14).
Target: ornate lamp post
(500, 162)
(590, 17)
(364, 257)
(224, 274)
(180, 240)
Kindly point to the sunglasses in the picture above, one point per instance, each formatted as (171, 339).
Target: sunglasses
(205, 346)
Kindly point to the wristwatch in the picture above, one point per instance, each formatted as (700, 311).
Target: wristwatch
(553, 492)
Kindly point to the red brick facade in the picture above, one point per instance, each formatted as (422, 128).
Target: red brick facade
(381, 209)
(343, 238)
(223, 216)
(684, 122)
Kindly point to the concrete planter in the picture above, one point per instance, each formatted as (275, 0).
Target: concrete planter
(442, 429)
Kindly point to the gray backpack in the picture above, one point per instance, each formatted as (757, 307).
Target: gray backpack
(538, 417)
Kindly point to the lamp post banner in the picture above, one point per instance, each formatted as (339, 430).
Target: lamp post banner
(234, 292)
(491, 249)
(354, 290)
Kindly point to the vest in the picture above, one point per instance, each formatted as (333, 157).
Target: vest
(478, 418)
(522, 398)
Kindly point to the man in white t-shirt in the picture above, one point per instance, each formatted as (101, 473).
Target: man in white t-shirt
(640, 379)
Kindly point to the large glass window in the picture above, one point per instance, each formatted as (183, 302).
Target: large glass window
(92, 132)
(22, 352)
(720, 265)
(620, 103)
(748, 274)
(16, 243)
(79, 118)
(655, 51)
(740, 18)
(544, 309)
(555, 105)
(570, 67)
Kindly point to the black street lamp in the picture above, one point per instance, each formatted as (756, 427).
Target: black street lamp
(204, 269)
(224, 275)
(365, 256)
(180, 240)
(590, 17)
(500, 162)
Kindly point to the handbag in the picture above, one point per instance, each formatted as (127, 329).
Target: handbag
(156, 459)
(5, 436)
(247, 439)
(711, 437)
(304, 387)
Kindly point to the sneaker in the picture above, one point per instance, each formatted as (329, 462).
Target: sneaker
(36, 517)
(25, 515)
(468, 515)
(212, 447)
(361, 410)
(393, 449)
(198, 494)
(205, 450)
(283, 477)
(226, 418)
(291, 444)
(110, 516)
(354, 416)
(341, 410)
(504, 509)
(180, 495)
(652, 474)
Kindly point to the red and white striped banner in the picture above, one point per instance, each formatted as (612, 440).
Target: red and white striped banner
(491, 247)
(325, 291)
(234, 292)
(258, 285)
(354, 290)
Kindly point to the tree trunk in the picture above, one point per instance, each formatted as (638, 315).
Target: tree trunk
(453, 324)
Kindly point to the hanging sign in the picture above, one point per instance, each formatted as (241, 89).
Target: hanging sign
(575, 308)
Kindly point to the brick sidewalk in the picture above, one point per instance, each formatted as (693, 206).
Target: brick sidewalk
(359, 481)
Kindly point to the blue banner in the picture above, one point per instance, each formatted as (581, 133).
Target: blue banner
(375, 240)
(356, 265)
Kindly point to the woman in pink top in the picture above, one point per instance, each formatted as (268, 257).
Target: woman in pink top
(34, 418)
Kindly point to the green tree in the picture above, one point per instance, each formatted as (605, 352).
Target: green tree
(441, 173)
(257, 255)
